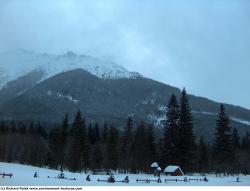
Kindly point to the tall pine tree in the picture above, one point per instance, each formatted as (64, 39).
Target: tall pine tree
(236, 139)
(203, 162)
(85, 147)
(112, 149)
(245, 142)
(139, 161)
(151, 153)
(171, 151)
(126, 141)
(96, 133)
(223, 153)
(75, 152)
(105, 133)
(57, 143)
(186, 136)
(63, 137)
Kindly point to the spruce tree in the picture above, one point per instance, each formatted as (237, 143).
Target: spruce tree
(126, 141)
(112, 149)
(105, 132)
(186, 143)
(96, 158)
(171, 151)
(75, 152)
(57, 143)
(54, 149)
(245, 143)
(223, 153)
(31, 128)
(91, 135)
(96, 133)
(85, 147)
(62, 141)
(151, 153)
(203, 162)
(139, 150)
(236, 139)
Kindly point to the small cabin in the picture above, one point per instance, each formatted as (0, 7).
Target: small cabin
(173, 171)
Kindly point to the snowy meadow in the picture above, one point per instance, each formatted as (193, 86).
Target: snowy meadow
(23, 175)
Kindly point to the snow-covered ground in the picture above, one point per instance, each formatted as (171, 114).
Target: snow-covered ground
(23, 176)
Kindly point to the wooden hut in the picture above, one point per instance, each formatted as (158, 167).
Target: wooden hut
(173, 171)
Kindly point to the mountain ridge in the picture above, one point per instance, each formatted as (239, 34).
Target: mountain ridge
(111, 100)
(47, 97)
(14, 64)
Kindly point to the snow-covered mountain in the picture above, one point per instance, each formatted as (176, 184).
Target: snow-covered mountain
(18, 63)
(44, 87)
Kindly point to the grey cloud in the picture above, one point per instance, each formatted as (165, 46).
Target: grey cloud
(202, 45)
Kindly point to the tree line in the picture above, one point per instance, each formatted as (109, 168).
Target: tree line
(226, 154)
(81, 146)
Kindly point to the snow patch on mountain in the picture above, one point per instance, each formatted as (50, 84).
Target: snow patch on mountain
(241, 121)
(203, 112)
(20, 62)
(157, 120)
(232, 118)
(162, 108)
(148, 101)
(21, 92)
(62, 96)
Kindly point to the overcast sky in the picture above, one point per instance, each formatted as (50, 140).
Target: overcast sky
(201, 45)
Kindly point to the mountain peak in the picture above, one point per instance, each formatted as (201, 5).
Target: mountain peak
(70, 54)
(17, 63)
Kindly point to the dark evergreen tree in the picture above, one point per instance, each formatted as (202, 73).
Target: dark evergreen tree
(96, 158)
(151, 153)
(62, 139)
(13, 127)
(2, 127)
(171, 151)
(48, 160)
(91, 135)
(112, 149)
(22, 129)
(126, 141)
(236, 139)
(75, 153)
(105, 132)
(54, 147)
(57, 144)
(245, 143)
(186, 143)
(39, 129)
(223, 153)
(139, 162)
(85, 147)
(31, 128)
(96, 134)
(203, 162)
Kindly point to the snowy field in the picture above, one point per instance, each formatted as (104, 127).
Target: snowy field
(23, 176)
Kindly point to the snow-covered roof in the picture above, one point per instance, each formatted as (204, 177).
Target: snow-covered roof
(154, 165)
(159, 168)
(172, 168)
